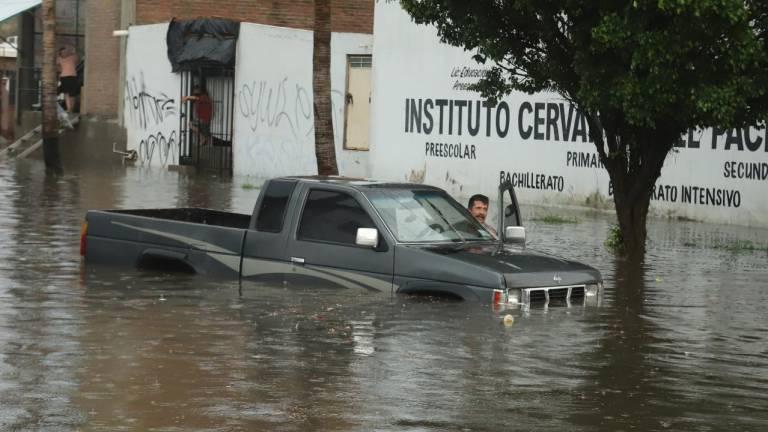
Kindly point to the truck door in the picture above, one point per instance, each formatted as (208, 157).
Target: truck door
(509, 207)
(322, 248)
(264, 254)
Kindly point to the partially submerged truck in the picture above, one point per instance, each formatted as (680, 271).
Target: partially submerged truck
(346, 233)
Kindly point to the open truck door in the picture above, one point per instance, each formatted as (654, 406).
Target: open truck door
(510, 227)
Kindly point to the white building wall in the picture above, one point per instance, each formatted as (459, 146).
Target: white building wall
(273, 110)
(151, 97)
(537, 141)
(352, 163)
(274, 123)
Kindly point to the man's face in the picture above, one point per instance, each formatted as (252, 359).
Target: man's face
(479, 210)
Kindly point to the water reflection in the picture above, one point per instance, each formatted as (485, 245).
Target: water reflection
(679, 343)
(143, 371)
(623, 390)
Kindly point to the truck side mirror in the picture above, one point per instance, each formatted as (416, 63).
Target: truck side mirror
(368, 237)
(514, 234)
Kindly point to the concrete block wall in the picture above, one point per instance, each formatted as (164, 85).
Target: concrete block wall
(102, 59)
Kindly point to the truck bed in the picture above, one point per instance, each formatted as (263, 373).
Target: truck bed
(193, 215)
(203, 241)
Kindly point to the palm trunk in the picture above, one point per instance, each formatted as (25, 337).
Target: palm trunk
(50, 119)
(325, 150)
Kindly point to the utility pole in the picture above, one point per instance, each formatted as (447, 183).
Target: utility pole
(50, 118)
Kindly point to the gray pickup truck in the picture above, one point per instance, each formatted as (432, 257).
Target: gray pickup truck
(347, 233)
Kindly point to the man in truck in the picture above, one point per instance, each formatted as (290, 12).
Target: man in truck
(478, 207)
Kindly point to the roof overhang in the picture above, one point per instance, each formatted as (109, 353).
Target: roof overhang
(10, 8)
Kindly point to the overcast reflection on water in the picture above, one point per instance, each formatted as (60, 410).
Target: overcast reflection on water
(678, 343)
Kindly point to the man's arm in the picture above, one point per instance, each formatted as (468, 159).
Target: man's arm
(189, 98)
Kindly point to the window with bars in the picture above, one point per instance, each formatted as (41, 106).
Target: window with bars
(360, 60)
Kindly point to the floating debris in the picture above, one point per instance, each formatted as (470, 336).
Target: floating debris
(508, 320)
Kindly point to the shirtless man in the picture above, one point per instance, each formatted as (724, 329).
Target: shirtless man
(66, 63)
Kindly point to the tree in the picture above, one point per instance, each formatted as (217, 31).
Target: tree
(642, 72)
(325, 150)
(50, 118)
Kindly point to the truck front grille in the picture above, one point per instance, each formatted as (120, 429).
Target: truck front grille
(537, 296)
(549, 295)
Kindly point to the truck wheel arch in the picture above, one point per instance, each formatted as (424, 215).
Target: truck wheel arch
(164, 260)
(441, 289)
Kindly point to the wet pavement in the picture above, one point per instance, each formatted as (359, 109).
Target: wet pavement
(681, 344)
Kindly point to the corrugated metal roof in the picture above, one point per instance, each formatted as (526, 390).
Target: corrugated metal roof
(9, 8)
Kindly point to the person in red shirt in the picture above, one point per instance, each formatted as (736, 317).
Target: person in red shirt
(201, 124)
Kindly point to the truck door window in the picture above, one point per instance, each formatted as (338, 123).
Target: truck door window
(511, 207)
(272, 211)
(332, 216)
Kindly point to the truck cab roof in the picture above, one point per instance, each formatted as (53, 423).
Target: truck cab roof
(358, 183)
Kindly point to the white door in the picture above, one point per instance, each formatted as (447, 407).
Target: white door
(358, 102)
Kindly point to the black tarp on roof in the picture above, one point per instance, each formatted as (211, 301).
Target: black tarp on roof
(201, 43)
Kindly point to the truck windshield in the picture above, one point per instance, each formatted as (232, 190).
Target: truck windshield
(425, 216)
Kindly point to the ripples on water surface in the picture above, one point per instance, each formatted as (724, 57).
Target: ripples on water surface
(681, 345)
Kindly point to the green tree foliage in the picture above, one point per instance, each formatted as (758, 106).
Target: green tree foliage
(642, 72)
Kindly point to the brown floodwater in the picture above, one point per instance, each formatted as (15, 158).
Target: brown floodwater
(679, 344)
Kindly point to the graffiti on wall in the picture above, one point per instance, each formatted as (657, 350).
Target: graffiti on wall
(154, 114)
(267, 105)
(279, 115)
(157, 145)
(147, 108)
(271, 105)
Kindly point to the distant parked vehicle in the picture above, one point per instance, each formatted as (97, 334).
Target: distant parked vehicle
(346, 233)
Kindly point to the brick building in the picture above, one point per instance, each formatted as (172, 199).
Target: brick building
(21, 57)
(131, 87)
(349, 16)
(103, 51)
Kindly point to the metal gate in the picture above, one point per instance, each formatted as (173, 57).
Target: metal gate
(207, 147)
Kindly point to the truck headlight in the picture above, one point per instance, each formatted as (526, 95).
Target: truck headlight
(593, 289)
(513, 297)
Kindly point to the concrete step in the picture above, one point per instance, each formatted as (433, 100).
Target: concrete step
(31, 149)
(18, 150)
(16, 147)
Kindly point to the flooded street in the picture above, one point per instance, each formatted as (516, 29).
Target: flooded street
(679, 345)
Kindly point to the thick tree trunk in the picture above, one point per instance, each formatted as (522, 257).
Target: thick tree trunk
(631, 213)
(50, 119)
(633, 158)
(634, 171)
(325, 150)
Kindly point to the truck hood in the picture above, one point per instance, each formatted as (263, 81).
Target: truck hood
(521, 267)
